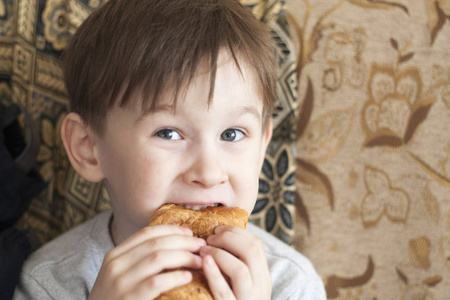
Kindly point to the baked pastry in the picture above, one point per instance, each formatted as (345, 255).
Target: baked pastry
(202, 223)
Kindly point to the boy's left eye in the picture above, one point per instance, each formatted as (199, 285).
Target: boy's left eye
(231, 135)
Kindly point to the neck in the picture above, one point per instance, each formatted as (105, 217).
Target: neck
(116, 236)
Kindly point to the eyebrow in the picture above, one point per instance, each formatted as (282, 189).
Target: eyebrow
(250, 110)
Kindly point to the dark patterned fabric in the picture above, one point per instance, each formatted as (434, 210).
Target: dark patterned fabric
(33, 34)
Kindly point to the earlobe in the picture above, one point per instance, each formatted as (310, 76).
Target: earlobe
(79, 142)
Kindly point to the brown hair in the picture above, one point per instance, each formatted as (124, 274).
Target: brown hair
(155, 45)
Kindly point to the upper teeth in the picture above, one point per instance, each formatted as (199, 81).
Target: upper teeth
(197, 207)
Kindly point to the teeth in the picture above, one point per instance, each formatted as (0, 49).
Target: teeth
(197, 207)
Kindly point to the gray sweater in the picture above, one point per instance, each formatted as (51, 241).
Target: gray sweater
(66, 268)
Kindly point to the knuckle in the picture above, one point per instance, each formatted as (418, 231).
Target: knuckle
(155, 257)
(147, 230)
(255, 244)
(152, 283)
(113, 269)
(241, 271)
(153, 243)
(108, 256)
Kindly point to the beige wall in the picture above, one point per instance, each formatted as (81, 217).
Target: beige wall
(373, 151)
(295, 8)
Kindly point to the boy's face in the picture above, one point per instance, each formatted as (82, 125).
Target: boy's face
(193, 155)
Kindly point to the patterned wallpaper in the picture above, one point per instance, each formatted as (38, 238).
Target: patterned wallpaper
(373, 175)
(358, 174)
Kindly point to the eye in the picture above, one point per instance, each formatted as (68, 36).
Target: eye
(168, 134)
(231, 135)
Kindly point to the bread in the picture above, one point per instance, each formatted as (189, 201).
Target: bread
(202, 223)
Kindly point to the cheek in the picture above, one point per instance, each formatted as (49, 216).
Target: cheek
(148, 175)
(126, 174)
(246, 181)
(139, 190)
(250, 196)
(153, 178)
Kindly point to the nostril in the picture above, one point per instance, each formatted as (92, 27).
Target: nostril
(206, 171)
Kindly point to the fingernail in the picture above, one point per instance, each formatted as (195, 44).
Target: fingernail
(205, 250)
(210, 239)
(201, 242)
(219, 229)
(186, 231)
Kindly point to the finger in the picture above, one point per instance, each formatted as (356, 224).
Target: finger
(170, 242)
(158, 284)
(217, 283)
(132, 276)
(242, 244)
(165, 260)
(247, 248)
(233, 267)
(154, 286)
(148, 233)
(152, 249)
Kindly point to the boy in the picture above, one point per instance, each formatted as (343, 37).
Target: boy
(172, 102)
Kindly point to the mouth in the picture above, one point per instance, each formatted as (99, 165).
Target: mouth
(199, 206)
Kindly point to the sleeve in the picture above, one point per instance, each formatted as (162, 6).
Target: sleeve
(28, 288)
(311, 290)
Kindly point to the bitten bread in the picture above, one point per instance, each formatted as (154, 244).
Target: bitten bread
(202, 223)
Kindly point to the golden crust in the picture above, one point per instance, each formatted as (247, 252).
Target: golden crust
(202, 223)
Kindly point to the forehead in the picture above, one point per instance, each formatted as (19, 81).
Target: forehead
(232, 78)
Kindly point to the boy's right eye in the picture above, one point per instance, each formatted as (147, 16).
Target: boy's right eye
(168, 134)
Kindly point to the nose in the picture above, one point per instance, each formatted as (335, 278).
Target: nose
(206, 170)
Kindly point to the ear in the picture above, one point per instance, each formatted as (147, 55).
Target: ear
(79, 142)
(267, 136)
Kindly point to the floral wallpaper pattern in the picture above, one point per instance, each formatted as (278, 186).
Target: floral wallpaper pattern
(357, 176)
(373, 138)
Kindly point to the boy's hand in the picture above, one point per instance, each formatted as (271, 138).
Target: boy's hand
(134, 269)
(235, 265)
